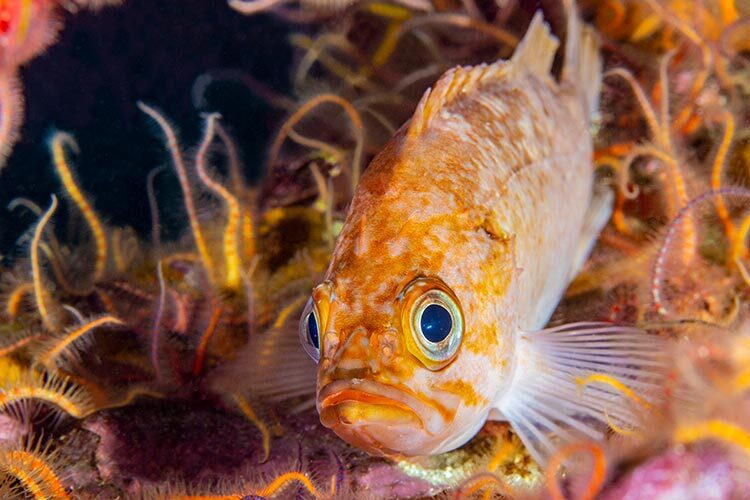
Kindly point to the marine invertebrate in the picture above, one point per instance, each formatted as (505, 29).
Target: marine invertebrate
(27, 28)
(179, 165)
(714, 429)
(59, 392)
(306, 108)
(232, 261)
(57, 351)
(40, 292)
(59, 141)
(32, 464)
(597, 471)
(250, 7)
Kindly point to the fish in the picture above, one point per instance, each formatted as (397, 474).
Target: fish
(459, 242)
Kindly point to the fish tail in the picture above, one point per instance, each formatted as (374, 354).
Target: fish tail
(573, 381)
(582, 67)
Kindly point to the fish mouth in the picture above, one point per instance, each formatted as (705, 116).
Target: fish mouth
(367, 414)
(351, 406)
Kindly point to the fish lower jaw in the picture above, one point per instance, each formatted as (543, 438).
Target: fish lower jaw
(396, 433)
(352, 413)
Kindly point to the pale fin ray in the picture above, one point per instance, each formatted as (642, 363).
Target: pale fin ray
(536, 52)
(586, 406)
(596, 218)
(533, 55)
(547, 403)
(582, 67)
(273, 367)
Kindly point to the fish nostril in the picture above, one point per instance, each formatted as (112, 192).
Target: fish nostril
(384, 345)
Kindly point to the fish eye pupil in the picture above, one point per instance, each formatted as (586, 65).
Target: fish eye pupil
(312, 330)
(436, 323)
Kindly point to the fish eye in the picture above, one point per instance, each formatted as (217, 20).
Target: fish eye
(433, 322)
(309, 331)
(312, 329)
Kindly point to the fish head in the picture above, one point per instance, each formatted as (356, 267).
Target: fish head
(413, 326)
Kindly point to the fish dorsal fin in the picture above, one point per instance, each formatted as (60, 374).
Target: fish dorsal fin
(534, 54)
(537, 50)
(455, 81)
(582, 67)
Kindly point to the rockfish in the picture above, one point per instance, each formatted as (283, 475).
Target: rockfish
(462, 237)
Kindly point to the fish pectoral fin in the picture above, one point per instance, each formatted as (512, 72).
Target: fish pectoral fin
(272, 366)
(571, 381)
(596, 217)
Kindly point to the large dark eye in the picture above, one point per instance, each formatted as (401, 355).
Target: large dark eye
(309, 331)
(312, 329)
(436, 323)
(432, 321)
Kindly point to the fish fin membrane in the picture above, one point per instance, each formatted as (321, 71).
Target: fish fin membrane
(596, 217)
(273, 367)
(574, 380)
(534, 54)
(582, 67)
(454, 82)
(536, 51)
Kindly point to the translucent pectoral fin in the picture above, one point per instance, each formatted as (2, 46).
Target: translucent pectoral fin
(597, 216)
(272, 366)
(574, 380)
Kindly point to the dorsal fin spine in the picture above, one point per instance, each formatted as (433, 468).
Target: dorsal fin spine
(537, 50)
(582, 68)
(454, 82)
(534, 54)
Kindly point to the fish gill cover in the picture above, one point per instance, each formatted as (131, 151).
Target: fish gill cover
(177, 175)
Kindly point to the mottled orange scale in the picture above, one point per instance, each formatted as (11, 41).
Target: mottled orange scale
(465, 390)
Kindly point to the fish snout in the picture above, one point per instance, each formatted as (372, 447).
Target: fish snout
(359, 350)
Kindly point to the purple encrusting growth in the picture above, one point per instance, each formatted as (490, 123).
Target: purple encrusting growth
(157, 441)
(706, 471)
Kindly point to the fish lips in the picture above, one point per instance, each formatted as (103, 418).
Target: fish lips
(380, 419)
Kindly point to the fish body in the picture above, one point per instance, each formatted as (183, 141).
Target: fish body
(462, 235)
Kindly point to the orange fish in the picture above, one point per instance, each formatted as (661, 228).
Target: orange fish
(460, 241)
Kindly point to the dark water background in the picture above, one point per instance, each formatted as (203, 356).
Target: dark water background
(88, 84)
